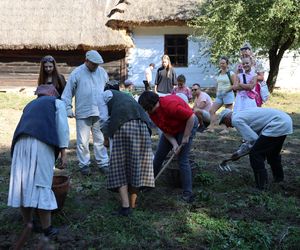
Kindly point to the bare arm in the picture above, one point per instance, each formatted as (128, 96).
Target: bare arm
(188, 129)
(63, 158)
(201, 105)
(236, 84)
(260, 76)
(233, 80)
(249, 86)
(172, 140)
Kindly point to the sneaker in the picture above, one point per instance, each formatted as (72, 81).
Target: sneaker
(51, 231)
(123, 211)
(85, 170)
(188, 197)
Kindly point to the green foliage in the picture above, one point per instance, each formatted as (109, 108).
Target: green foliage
(204, 178)
(271, 26)
(264, 23)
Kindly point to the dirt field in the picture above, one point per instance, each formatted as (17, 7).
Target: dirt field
(228, 212)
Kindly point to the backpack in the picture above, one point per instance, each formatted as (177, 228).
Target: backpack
(260, 92)
(261, 88)
(228, 74)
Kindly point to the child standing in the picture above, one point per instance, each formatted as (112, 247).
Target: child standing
(181, 88)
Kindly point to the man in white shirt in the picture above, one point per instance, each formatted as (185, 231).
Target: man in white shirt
(86, 83)
(264, 130)
(148, 76)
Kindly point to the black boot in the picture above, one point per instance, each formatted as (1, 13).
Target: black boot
(261, 179)
(123, 211)
(51, 231)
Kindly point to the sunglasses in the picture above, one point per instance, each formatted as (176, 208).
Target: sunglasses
(194, 89)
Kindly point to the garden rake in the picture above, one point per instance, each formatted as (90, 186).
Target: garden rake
(223, 166)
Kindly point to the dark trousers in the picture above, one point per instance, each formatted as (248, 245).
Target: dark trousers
(267, 148)
(147, 85)
(164, 147)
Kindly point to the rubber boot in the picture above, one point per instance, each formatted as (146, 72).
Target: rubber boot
(261, 179)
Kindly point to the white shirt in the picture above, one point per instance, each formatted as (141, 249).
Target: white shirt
(148, 74)
(62, 126)
(86, 86)
(250, 123)
(103, 99)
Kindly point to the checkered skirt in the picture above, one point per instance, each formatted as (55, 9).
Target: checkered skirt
(131, 157)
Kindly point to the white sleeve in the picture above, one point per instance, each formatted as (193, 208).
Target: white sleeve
(102, 106)
(62, 126)
(69, 91)
(244, 129)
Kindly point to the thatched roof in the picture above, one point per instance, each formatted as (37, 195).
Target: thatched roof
(129, 13)
(58, 24)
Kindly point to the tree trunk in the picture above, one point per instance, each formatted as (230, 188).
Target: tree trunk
(275, 56)
(274, 61)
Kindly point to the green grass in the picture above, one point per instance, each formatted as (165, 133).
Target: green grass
(227, 214)
(14, 101)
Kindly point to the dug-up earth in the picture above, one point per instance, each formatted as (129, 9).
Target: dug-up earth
(161, 220)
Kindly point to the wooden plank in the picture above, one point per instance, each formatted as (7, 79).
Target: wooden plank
(21, 67)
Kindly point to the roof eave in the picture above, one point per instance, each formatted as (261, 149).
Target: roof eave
(128, 25)
(85, 47)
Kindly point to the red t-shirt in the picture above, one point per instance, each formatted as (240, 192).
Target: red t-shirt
(172, 114)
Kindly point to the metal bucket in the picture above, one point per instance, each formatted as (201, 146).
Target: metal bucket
(60, 187)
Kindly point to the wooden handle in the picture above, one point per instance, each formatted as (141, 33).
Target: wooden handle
(168, 162)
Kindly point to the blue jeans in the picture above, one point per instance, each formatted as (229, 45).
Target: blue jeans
(164, 147)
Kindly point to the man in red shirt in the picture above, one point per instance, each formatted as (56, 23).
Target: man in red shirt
(178, 123)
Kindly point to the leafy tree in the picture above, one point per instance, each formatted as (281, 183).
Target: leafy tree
(272, 26)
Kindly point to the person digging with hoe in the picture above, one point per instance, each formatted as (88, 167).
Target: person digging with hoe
(178, 123)
(264, 130)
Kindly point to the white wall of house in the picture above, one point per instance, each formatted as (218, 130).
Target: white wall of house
(289, 72)
(149, 48)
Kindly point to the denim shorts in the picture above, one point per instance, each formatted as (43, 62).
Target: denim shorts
(206, 116)
(227, 98)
